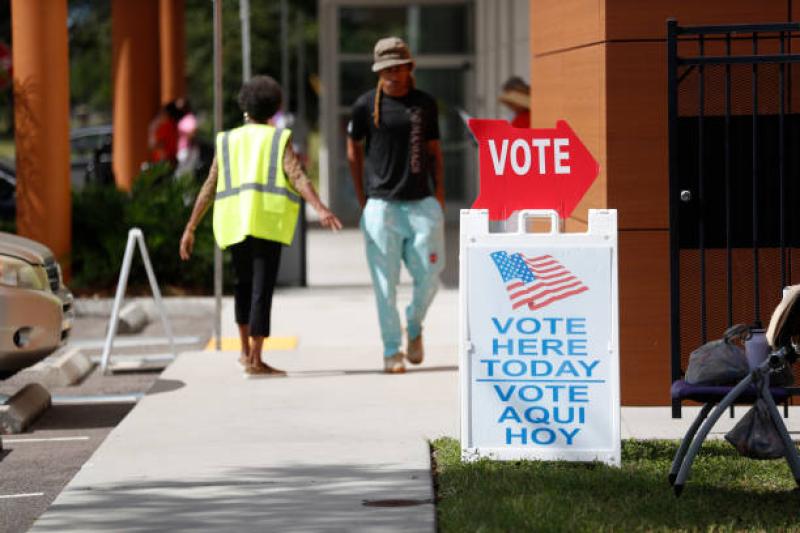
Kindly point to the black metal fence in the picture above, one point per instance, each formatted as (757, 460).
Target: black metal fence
(734, 177)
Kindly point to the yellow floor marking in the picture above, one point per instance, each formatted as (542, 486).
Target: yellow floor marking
(233, 344)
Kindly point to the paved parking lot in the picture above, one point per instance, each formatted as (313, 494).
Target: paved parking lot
(37, 464)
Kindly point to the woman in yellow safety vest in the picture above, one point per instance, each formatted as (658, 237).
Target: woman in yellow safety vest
(256, 181)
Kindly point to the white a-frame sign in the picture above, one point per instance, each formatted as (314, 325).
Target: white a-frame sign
(539, 340)
(135, 236)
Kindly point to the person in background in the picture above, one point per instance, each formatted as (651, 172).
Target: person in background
(188, 152)
(397, 168)
(516, 95)
(162, 137)
(255, 184)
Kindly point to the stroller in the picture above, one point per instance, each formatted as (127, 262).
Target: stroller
(783, 336)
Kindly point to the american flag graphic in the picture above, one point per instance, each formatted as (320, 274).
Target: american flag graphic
(535, 281)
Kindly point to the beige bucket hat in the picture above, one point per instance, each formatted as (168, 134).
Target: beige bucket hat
(390, 52)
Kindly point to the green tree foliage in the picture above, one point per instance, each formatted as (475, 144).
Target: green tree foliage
(90, 50)
(90, 53)
(265, 44)
(160, 206)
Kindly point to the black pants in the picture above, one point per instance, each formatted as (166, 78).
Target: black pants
(255, 263)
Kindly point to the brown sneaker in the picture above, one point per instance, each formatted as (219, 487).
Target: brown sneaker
(415, 351)
(394, 364)
(262, 371)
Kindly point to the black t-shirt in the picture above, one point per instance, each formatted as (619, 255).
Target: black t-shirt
(397, 165)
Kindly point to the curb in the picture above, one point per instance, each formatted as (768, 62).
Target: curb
(23, 408)
(63, 369)
(132, 318)
(195, 306)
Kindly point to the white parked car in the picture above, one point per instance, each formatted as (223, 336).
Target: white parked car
(35, 306)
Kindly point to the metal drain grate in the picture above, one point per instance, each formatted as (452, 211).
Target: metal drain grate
(394, 503)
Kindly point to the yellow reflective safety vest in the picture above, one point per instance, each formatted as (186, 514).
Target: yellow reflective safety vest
(254, 197)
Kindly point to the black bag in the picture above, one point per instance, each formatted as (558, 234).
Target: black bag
(784, 377)
(755, 435)
(719, 362)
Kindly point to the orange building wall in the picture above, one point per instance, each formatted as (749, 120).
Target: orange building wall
(172, 38)
(137, 91)
(149, 52)
(601, 65)
(41, 123)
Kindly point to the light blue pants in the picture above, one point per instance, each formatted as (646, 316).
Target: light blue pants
(411, 231)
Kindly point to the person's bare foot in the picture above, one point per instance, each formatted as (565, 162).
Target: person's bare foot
(263, 370)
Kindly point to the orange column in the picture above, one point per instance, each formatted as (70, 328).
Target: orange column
(41, 116)
(135, 70)
(173, 49)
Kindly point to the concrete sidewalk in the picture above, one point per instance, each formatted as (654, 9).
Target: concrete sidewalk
(209, 450)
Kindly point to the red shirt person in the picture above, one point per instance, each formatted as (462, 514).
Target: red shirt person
(163, 135)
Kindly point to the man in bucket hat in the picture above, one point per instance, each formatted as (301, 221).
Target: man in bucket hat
(398, 173)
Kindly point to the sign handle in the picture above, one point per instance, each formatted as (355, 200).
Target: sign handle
(527, 214)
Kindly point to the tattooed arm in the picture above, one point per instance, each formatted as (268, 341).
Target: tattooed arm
(204, 200)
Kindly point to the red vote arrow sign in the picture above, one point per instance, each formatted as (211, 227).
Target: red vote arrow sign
(523, 168)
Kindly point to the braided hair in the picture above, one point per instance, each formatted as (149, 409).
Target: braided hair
(376, 112)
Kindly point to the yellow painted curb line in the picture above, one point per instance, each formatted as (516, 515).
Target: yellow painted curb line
(233, 344)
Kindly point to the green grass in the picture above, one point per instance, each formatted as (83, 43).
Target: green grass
(725, 492)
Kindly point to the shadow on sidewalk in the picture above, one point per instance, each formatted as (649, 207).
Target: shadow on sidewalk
(451, 244)
(165, 385)
(291, 498)
(327, 373)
